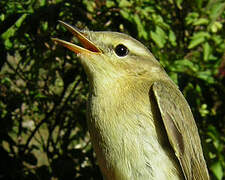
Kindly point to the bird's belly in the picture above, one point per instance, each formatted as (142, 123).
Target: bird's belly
(130, 153)
(129, 139)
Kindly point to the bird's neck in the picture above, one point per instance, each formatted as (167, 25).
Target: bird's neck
(102, 85)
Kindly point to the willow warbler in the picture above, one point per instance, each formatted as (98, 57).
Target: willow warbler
(140, 124)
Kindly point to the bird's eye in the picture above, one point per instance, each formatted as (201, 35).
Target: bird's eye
(121, 50)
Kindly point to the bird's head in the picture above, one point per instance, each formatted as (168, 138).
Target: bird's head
(109, 55)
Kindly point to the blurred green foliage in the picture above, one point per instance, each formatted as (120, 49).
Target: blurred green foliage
(43, 89)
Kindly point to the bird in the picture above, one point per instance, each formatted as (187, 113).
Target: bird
(141, 126)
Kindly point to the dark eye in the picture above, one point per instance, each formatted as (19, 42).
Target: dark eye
(121, 50)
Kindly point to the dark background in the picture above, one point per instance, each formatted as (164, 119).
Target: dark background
(43, 89)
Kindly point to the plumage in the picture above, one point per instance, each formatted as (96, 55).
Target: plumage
(181, 130)
(140, 124)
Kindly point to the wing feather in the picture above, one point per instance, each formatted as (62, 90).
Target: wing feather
(181, 130)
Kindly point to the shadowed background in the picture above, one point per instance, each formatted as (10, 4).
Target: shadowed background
(43, 88)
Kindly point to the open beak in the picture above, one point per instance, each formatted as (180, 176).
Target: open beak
(89, 47)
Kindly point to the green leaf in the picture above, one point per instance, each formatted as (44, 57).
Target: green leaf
(206, 51)
(217, 39)
(217, 170)
(40, 96)
(216, 9)
(199, 3)
(161, 32)
(179, 2)
(201, 21)
(206, 76)
(110, 4)
(45, 26)
(191, 17)
(11, 31)
(201, 34)
(149, 9)
(90, 5)
(172, 38)
(126, 14)
(157, 39)
(214, 135)
(124, 3)
(197, 39)
(174, 77)
(194, 42)
(2, 17)
(204, 110)
(42, 2)
(216, 26)
(141, 30)
(7, 81)
(182, 65)
(158, 20)
(8, 44)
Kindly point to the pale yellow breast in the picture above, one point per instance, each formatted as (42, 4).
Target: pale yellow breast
(124, 135)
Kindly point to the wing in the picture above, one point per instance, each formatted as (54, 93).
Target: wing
(181, 130)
